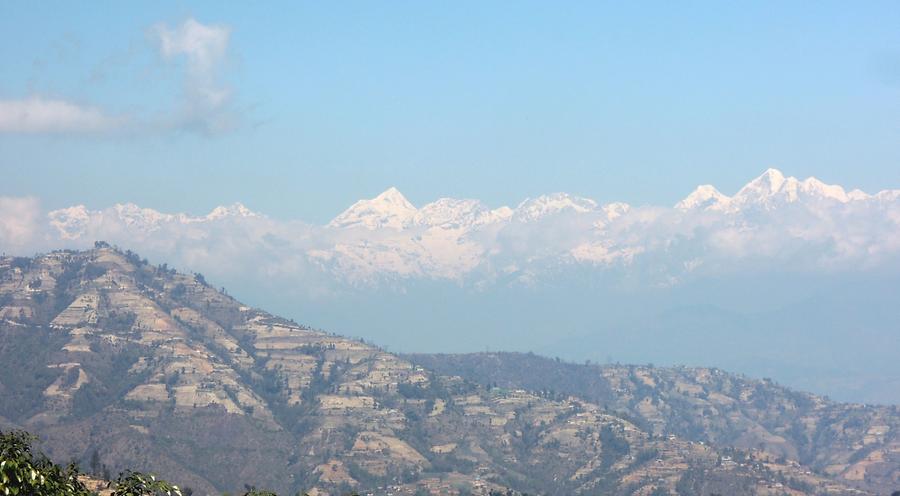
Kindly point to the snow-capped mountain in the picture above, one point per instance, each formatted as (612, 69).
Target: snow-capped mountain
(616, 209)
(772, 190)
(75, 222)
(235, 210)
(547, 205)
(392, 210)
(558, 254)
(773, 219)
(432, 240)
(71, 222)
(388, 210)
(451, 213)
(705, 197)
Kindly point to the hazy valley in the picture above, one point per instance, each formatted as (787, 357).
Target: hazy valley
(769, 281)
(147, 367)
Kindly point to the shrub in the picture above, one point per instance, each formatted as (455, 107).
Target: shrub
(24, 472)
(138, 484)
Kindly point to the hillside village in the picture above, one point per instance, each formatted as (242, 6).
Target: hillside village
(855, 443)
(127, 364)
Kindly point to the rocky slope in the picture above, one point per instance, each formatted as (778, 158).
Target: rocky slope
(118, 364)
(854, 443)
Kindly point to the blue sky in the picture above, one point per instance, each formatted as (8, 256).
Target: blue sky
(327, 103)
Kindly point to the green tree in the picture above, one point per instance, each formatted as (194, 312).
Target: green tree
(24, 472)
(138, 484)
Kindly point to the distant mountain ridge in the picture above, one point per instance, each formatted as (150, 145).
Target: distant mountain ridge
(773, 189)
(768, 246)
(392, 210)
(73, 222)
(848, 441)
(770, 190)
(126, 364)
(772, 220)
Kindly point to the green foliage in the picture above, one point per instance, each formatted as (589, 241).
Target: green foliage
(138, 484)
(23, 472)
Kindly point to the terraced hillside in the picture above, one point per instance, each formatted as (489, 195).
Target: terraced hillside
(856, 444)
(120, 364)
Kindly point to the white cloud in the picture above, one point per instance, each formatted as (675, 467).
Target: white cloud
(205, 48)
(204, 106)
(40, 115)
(20, 224)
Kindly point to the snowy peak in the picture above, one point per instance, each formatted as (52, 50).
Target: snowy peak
(451, 238)
(616, 209)
(706, 196)
(389, 209)
(392, 210)
(767, 184)
(141, 218)
(761, 190)
(813, 187)
(234, 210)
(393, 196)
(148, 219)
(546, 205)
(75, 222)
(773, 188)
(857, 195)
(450, 213)
(888, 195)
(769, 191)
(70, 222)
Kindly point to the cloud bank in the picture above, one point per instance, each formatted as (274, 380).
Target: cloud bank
(204, 107)
(20, 223)
(205, 48)
(37, 115)
(773, 224)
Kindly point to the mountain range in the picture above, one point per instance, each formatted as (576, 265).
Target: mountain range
(117, 363)
(773, 221)
(781, 278)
